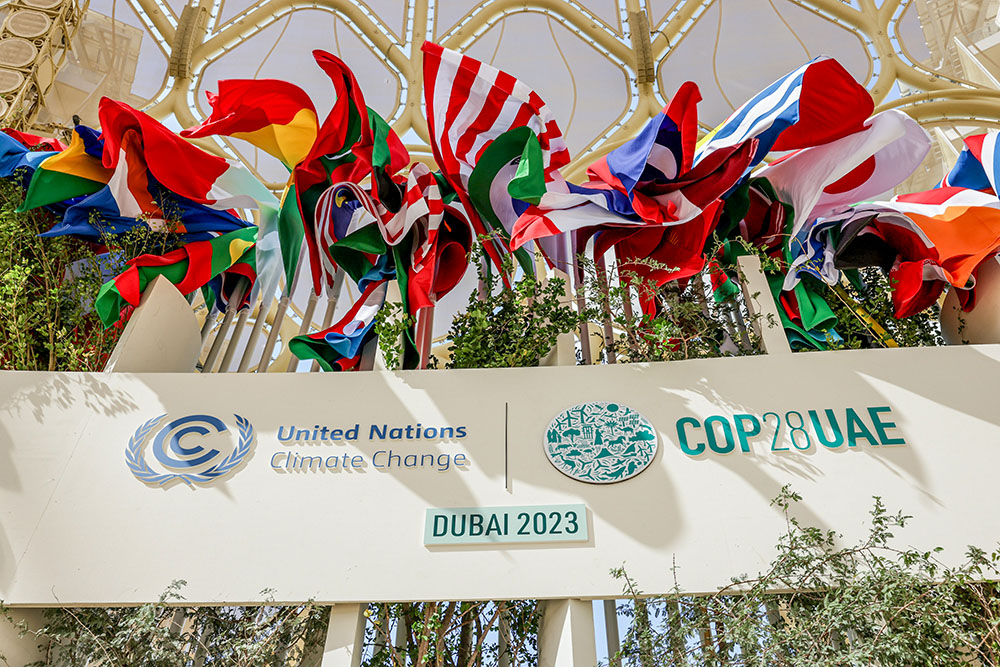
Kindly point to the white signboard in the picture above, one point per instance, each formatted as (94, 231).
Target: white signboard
(325, 486)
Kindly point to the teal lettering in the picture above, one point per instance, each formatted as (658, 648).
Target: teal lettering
(881, 426)
(476, 525)
(838, 436)
(682, 438)
(856, 429)
(741, 431)
(493, 526)
(726, 430)
(440, 525)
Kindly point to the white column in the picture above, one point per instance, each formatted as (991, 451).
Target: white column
(345, 638)
(757, 295)
(566, 634)
(161, 336)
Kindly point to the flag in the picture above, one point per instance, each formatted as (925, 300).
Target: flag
(926, 240)
(657, 255)
(16, 161)
(189, 268)
(275, 116)
(862, 165)
(469, 105)
(186, 170)
(813, 105)
(70, 173)
(132, 197)
(34, 141)
(353, 143)
(978, 165)
(339, 347)
(438, 260)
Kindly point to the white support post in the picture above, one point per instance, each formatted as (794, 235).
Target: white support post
(757, 296)
(611, 631)
(345, 638)
(566, 634)
(161, 336)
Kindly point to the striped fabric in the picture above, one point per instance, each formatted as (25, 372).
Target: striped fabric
(470, 104)
(978, 165)
(817, 103)
(422, 206)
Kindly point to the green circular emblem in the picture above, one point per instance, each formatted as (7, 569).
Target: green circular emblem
(600, 442)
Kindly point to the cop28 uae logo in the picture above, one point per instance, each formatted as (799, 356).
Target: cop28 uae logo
(600, 442)
(178, 457)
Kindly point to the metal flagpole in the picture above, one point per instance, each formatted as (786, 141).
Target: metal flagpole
(333, 296)
(227, 320)
(307, 316)
(258, 326)
(279, 316)
(234, 339)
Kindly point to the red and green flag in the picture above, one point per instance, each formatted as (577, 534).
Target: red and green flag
(189, 268)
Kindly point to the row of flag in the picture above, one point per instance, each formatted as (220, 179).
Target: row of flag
(796, 171)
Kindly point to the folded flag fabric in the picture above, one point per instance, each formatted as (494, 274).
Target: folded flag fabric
(14, 156)
(854, 168)
(34, 141)
(339, 347)
(978, 165)
(438, 260)
(132, 197)
(189, 268)
(179, 166)
(189, 172)
(651, 180)
(469, 105)
(70, 173)
(812, 105)
(928, 239)
(275, 116)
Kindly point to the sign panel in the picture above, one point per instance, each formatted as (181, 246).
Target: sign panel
(322, 486)
(506, 525)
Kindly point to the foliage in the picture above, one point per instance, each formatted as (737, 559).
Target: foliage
(871, 603)
(873, 295)
(391, 324)
(166, 635)
(48, 287)
(453, 633)
(506, 328)
(687, 323)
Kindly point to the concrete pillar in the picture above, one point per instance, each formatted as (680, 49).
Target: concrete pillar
(757, 295)
(566, 634)
(345, 638)
(162, 335)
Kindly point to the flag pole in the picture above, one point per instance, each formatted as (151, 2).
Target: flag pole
(331, 305)
(279, 316)
(237, 296)
(264, 307)
(609, 332)
(425, 334)
(307, 316)
(581, 307)
(234, 340)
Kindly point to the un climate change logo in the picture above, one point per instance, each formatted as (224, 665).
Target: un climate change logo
(186, 461)
(600, 442)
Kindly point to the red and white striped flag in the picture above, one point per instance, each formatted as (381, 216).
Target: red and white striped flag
(469, 104)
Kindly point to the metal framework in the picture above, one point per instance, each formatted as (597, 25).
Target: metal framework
(936, 96)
